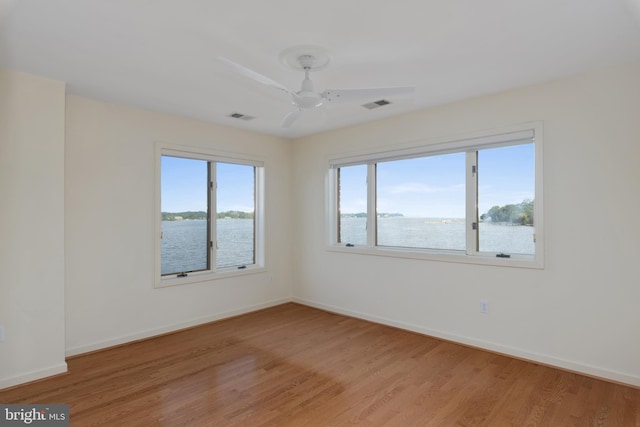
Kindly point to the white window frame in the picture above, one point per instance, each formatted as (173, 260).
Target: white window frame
(199, 153)
(468, 143)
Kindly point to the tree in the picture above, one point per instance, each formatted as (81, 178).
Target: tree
(175, 216)
(234, 215)
(521, 214)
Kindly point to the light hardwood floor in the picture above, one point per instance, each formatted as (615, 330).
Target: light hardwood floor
(293, 365)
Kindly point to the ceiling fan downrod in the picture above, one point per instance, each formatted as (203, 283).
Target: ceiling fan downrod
(307, 97)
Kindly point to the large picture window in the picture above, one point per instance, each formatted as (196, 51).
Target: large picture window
(210, 215)
(470, 200)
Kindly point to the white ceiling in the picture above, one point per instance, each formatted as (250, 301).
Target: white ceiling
(161, 54)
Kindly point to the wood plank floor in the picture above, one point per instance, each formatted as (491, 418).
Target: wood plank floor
(293, 365)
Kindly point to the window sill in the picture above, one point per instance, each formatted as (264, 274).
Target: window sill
(518, 261)
(206, 276)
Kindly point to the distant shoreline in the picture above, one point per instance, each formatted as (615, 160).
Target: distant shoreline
(202, 215)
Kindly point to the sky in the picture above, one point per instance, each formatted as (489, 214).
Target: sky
(435, 186)
(422, 187)
(184, 186)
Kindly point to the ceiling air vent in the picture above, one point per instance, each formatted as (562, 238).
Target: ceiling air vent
(240, 116)
(376, 104)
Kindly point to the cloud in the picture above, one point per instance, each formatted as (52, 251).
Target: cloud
(419, 188)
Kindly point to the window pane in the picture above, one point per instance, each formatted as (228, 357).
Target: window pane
(421, 202)
(184, 198)
(235, 201)
(506, 191)
(352, 205)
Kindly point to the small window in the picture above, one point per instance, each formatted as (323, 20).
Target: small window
(235, 206)
(210, 216)
(470, 200)
(185, 215)
(506, 196)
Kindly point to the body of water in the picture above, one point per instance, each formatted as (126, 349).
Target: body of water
(184, 244)
(439, 233)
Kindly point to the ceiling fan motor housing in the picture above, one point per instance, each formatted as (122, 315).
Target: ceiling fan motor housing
(307, 97)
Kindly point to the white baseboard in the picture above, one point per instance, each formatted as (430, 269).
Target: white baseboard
(544, 359)
(149, 333)
(33, 376)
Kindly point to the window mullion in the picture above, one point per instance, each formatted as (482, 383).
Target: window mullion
(372, 226)
(211, 226)
(336, 188)
(256, 215)
(471, 205)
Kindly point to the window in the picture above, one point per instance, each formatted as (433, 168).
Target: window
(235, 203)
(469, 200)
(210, 216)
(506, 199)
(186, 227)
(421, 202)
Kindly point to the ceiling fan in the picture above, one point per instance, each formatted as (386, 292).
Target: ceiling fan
(307, 59)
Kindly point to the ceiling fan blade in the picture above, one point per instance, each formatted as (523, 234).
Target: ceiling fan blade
(291, 117)
(344, 96)
(252, 74)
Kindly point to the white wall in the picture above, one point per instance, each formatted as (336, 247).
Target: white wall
(31, 227)
(110, 211)
(580, 312)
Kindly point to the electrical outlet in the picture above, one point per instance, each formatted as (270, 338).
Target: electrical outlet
(1, 333)
(484, 306)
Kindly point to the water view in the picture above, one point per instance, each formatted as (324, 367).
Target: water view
(184, 244)
(439, 233)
